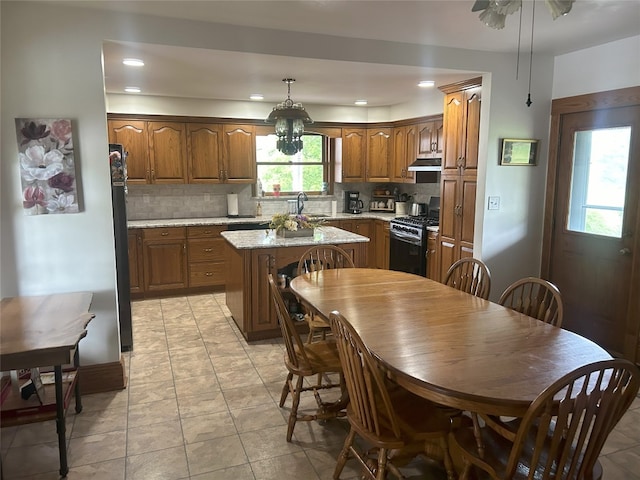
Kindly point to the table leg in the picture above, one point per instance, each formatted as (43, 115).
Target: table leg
(60, 425)
(76, 364)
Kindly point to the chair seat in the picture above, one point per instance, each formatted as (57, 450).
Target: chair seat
(419, 420)
(321, 357)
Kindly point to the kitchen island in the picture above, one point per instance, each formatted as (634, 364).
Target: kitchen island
(252, 255)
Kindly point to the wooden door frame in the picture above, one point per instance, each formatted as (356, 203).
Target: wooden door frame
(625, 97)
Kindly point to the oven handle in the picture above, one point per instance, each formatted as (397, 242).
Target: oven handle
(405, 238)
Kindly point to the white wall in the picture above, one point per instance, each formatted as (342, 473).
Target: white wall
(53, 68)
(606, 67)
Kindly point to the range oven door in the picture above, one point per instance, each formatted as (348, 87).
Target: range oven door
(407, 254)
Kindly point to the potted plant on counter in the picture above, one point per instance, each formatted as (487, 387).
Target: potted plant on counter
(289, 226)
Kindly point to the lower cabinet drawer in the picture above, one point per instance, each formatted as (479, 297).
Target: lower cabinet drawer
(206, 274)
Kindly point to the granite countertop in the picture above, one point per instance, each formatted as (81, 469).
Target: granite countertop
(190, 222)
(252, 239)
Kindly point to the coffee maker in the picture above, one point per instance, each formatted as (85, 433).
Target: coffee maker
(352, 202)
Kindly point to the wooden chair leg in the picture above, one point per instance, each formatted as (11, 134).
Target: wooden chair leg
(344, 454)
(293, 416)
(285, 389)
(381, 472)
(477, 433)
(448, 462)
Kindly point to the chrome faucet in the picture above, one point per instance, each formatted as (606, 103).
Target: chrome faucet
(300, 202)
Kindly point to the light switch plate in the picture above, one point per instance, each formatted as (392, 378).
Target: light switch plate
(494, 203)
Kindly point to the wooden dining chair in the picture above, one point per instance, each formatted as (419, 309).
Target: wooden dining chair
(563, 431)
(322, 257)
(536, 298)
(383, 414)
(469, 275)
(305, 360)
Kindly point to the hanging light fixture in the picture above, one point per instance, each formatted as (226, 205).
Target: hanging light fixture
(494, 12)
(289, 119)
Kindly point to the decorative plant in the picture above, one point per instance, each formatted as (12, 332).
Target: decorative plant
(284, 221)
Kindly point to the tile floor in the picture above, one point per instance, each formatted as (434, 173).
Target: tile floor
(201, 404)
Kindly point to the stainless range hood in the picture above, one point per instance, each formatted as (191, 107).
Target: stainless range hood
(426, 165)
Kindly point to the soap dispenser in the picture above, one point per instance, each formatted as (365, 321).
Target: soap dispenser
(258, 209)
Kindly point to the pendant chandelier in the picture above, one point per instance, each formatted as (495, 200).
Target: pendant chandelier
(289, 119)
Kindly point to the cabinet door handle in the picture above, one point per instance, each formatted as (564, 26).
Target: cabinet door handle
(208, 250)
(207, 232)
(208, 274)
(625, 251)
(164, 234)
(153, 175)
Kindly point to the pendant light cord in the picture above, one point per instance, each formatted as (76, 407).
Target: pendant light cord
(519, 39)
(533, 18)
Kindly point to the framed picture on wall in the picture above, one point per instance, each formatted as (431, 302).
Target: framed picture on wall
(518, 151)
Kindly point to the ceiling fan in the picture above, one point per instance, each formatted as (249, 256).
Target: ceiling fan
(494, 12)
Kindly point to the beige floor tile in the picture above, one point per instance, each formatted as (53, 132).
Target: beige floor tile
(629, 425)
(267, 443)
(231, 362)
(250, 396)
(93, 422)
(151, 392)
(42, 432)
(286, 467)
(257, 418)
(321, 434)
(191, 368)
(236, 379)
(7, 434)
(324, 461)
(628, 459)
(168, 464)
(31, 460)
(276, 372)
(149, 345)
(154, 437)
(215, 454)
(103, 401)
(241, 472)
(97, 448)
(207, 427)
(149, 414)
(211, 401)
(617, 441)
(226, 349)
(611, 470)
(109, 470)
(188, 387)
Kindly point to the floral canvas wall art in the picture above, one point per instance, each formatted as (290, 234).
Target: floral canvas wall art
(47, 166)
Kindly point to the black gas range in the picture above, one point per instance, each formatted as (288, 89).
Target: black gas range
(408, 243)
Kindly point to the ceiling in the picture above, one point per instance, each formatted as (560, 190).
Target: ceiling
(196, 73)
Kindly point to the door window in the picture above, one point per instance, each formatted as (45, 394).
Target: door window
(598, 181)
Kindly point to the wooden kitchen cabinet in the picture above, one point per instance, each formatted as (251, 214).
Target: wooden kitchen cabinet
(133, 136)
(205, 253)
(136, 277)
(164, 259)
(204, 153)
(433, 267)
(379, 153)
(404, 153)
(459, 172)
(382, 244)
(351, 163)
(239, 154)
(430, 139)
(364, 227)
(168, 152)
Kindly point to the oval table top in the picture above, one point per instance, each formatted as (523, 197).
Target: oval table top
(445, 345)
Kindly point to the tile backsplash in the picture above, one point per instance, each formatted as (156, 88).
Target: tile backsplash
(154, 202)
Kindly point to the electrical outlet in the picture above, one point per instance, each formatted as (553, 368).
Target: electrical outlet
(494, 203)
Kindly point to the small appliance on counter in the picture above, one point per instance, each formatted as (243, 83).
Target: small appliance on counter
(352, 202)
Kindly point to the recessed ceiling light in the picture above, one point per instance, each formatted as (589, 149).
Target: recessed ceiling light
(132, 89)
(133, 62)
(256, 96)
(360, 102)
(426, 83)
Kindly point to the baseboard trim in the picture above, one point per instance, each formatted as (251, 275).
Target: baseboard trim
(102, 377)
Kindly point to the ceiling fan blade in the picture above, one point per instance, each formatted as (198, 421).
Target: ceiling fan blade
(480, 5)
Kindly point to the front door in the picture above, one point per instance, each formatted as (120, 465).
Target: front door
(594, 258)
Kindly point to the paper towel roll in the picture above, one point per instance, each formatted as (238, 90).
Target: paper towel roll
(232, 204)
(334, 208)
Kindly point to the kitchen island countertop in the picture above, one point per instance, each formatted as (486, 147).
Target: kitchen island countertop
(252, 239)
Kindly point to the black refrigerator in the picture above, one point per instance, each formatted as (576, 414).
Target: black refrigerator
(118, 164)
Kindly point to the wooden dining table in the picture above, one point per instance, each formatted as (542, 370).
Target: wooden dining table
(446, 345)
